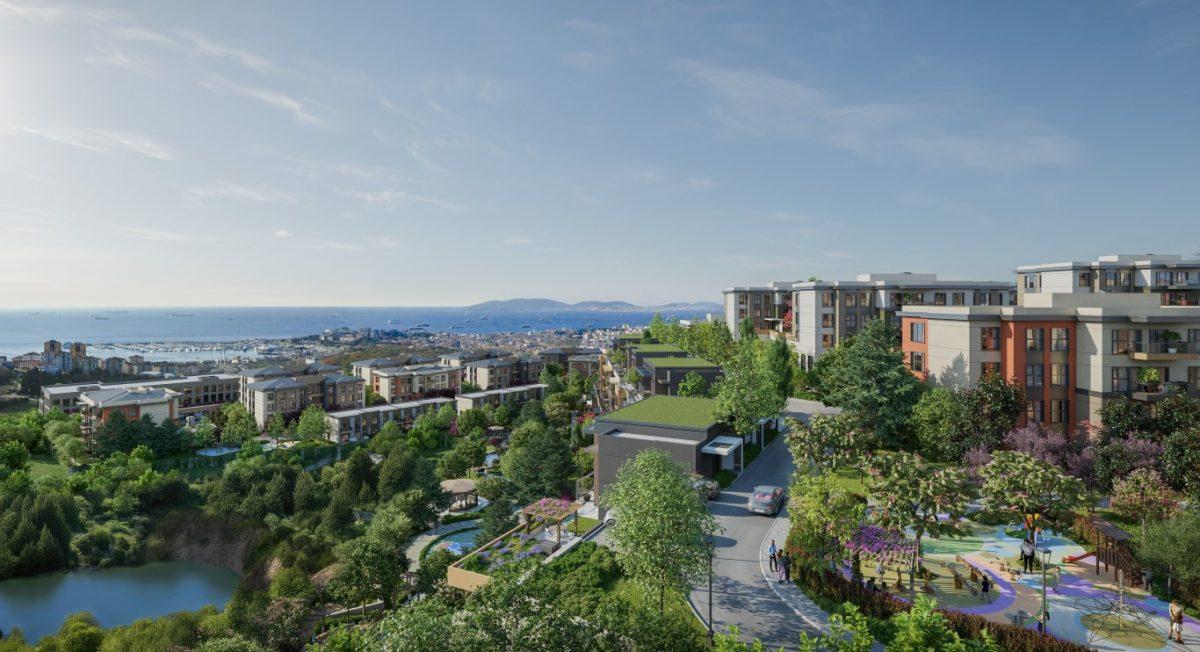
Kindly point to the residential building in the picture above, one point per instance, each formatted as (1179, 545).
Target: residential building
(561, 355)
(681, 426)
(461, 358)
(495, 397)
(639, 352)
(409, 383)
(1172, 279)
(1071, 346)
(490, 373)
(99, 405)
(661, 376)
(587, 364)
(196, 395)
(824, 313)
(363, 368)
(268, 391)
(352, 425)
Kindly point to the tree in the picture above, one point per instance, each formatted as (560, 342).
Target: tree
(824, 517)
(467, 453)
(910, 494)
(782, 365)
(923, 628)
(306, 495)
(827, 443)
(995, 407)
(472, 421)
(747, 393)
(1021, 484)
(497, 519)
(13, 457)
(942, 422)
(1124, 419)
(693, 384)
(312, 423)
(1181, 460)
(239, 424)
(1143, 495)
(1172, 546)
(1176, 413)
(663, 531)
(276, 427)
(558, 410)
(371, 397)
(538, 465)
(873, 383)
(746, 329)
(205, 432)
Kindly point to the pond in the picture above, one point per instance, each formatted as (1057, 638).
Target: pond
(458, 542)
(115, 596)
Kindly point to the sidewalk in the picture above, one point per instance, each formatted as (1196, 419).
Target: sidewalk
(815, 619)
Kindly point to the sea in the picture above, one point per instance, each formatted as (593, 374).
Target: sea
(105, 330)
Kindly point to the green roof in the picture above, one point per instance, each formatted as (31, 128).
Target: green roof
(629, 336)
(679, 363)
(681, 411)
(657, 348)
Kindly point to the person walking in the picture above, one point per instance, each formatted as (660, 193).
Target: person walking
(786, 563)
(1176, 621)
(1027, 555)
(985, 589)
(771, 552)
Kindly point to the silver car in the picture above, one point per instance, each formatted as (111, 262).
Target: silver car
(766, 499)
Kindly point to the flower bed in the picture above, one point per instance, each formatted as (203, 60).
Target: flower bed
(515, 547)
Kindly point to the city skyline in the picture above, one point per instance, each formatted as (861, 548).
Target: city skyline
(375, 155)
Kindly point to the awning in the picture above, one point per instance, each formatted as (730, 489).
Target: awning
(722, 446)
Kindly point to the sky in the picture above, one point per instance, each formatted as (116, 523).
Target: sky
(442, 153)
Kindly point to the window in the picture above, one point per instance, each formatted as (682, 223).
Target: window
(916, 331)
(989, 338)
(1163, 278)
(1059, 411)
(827, 341)
(1126, 340)
(1123, 378)
(864, 299)
(917, 361)
(958, 299)
(1060, 374)
(939, 298)
(1085, 279)
(851, 322)
(1034, 375)
(1033, 339)
(851, 299)
(827, 320)
(1012, 297)
(1033, 281)
(991, 368)
(1033, 411)
(826, 299)
(1060, 339)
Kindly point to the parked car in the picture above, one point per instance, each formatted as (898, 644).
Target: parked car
(766, 499)
(708, 488)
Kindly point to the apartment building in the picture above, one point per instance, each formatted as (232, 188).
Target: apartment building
(1072, 346)
(268, 391)
(496, 397)
(587, 364)
(409, 383)
(816, 315)
(197, 395)
(99, 405)
(561, 355)
(352, 425)
(1172, 279)
(638, 353)
(364, 368)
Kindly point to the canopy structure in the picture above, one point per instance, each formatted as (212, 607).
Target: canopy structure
(464, 494)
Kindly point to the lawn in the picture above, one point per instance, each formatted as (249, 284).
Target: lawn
(674, 603)
(582, 524)
(46, 465)
(850, 480)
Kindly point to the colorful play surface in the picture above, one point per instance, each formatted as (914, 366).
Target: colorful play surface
(1084, 606)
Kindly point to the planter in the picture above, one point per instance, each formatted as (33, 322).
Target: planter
(1151, 388)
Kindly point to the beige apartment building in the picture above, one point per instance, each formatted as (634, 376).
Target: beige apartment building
(197, 395)
(416, 381)
(99, 405)
(1072, 344)
(269, 391)
(352, 425)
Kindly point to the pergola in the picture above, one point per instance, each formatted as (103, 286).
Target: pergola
(465, 496)
(551, 510)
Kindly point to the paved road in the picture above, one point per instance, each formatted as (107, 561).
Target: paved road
(742, 596)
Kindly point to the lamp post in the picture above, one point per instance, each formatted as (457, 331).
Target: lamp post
(1045, 614)
(711, 550)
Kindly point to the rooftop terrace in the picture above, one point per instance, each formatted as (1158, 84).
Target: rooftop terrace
(679, 411)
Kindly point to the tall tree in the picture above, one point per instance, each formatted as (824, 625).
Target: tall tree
(312, 423)
(693, 384)
(1021, 484)
(783, 366)
(1142, 495)
(239, 424)
(827, 443)
(540, 465)
(747, 393)
(873, 384)
(663, 531)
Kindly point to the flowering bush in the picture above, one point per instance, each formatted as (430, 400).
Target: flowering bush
(888, 546)
(550, 509)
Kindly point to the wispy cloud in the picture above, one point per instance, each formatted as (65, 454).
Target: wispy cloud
(230, 190)
(701, 183)
(274, 99)
(521, 241)
(392, 197)
(154, 235)
(196, 45)
(590, 27)
(51, 13)
(586, 61)
(762, 104)
(645, 174)
(96, 140)
(282, 233)
(837, 254)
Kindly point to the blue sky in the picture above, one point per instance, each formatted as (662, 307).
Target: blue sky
(274, 153)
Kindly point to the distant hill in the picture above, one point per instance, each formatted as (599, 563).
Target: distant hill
(546, 305)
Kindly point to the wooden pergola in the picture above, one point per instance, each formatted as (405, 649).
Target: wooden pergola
(1111, 547)
(465, 495)
(563, 511)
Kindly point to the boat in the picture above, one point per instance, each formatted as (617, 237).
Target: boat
(98, 317)
(422, 326)
(525, 326)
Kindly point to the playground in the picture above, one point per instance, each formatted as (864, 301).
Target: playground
(1089, 601)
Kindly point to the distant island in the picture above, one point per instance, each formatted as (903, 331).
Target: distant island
(531, 305)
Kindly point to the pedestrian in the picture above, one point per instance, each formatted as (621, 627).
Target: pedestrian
(871, 584)
(771, 552)
(1176, 621)
(1027, 555)
(786, 562)
(779, 566)
(986, 589)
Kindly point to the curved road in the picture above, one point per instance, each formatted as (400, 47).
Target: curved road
(742, 596)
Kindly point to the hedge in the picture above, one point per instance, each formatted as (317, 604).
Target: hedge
(878, 604)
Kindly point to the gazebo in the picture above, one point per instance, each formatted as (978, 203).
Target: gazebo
(463, 493)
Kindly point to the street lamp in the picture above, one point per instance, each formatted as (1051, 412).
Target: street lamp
(711, 550)
(1045, 614)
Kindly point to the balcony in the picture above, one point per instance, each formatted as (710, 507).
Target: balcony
(1170, 389)
(1162, 351)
